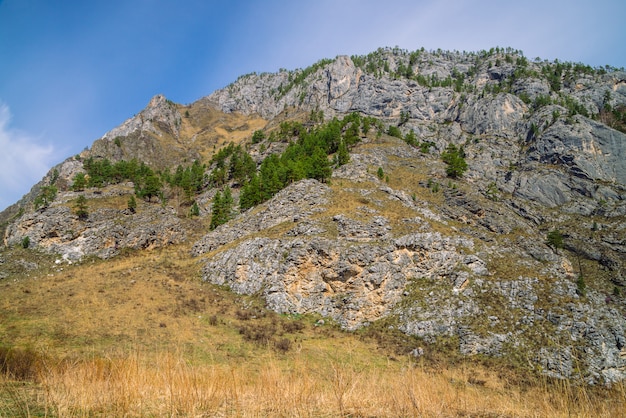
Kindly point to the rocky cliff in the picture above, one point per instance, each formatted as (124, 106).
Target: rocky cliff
(392, 238)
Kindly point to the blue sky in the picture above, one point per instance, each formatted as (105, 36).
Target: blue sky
(72, 70)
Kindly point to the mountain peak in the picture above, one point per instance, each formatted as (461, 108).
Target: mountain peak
(157, 100)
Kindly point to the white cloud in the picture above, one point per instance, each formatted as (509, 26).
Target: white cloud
(23, 161)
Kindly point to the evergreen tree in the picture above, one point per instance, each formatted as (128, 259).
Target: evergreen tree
(45, 197)
(151, 186)
(132, 203)
(185, 183)
(258, 136)
(319, 166)
(269, 177)
(194, 210)
(197, 177)
(343, 156)
(216, 215)
(80, 207)
(79, 182)
(554, 239)
(293, 170)
(394, 131)
(218, 176)
(250, 194)
(351, 136)
(222, 208)
(410, 138)
(227, 204)
(454, 157)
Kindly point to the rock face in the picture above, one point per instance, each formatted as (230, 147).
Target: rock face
(104, 233)
(434, 285)
(353, 279)
(578, 146)
(435, 257)
(590, 150)
(152, 136)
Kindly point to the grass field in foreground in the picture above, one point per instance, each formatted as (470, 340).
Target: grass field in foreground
(141, 335)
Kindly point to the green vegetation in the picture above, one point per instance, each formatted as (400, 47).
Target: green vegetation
(132, 204)
(222, 208)
(80, 207)
(425, 146)
(455, 158)
(149, 186)
(343, 155)
(79, 182)
(296, 78)
(554, 239)
(581, 286)
(45, 197)
(306, 156)
(194, 210)
(492, 192)
(258, 136)
(614, 117)
(394, 131)
(433, 186)
(411, 139)
(26, 242)
(101, 172)
(190, 180)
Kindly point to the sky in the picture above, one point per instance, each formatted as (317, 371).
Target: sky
(72, 70)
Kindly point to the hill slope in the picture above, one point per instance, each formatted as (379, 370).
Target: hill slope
(519, 255)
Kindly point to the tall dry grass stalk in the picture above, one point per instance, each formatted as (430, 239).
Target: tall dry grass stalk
(168, 385)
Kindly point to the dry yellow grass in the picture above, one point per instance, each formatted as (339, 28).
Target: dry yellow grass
(207, 129)
(168, 384)
(140, 335)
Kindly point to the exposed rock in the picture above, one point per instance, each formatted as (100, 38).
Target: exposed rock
(290, 205)
(501, 115)
(589, 150)
(352, 283)
(354, 230)
(103, 234)
(152, 136)
(160, 116)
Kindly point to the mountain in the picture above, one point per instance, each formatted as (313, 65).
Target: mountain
(475, 199)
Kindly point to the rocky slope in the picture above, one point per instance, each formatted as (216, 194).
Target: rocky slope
(435, 257)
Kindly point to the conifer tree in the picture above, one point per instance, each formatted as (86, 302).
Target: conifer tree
(79, 182)
(132, 203)
(454, 157)
(151, 186)
(194, 210)
(80, 207)
(320, 168)
(45, 197)
(343, 156)
(216, 212)
(250, 194)
(269, 177)
(222, 208)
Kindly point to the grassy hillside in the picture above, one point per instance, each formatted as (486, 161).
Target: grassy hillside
(141, 334)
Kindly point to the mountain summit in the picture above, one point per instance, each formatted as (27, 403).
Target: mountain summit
(477, 198)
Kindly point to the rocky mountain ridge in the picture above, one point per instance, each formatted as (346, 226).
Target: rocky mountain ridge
(414, 249)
